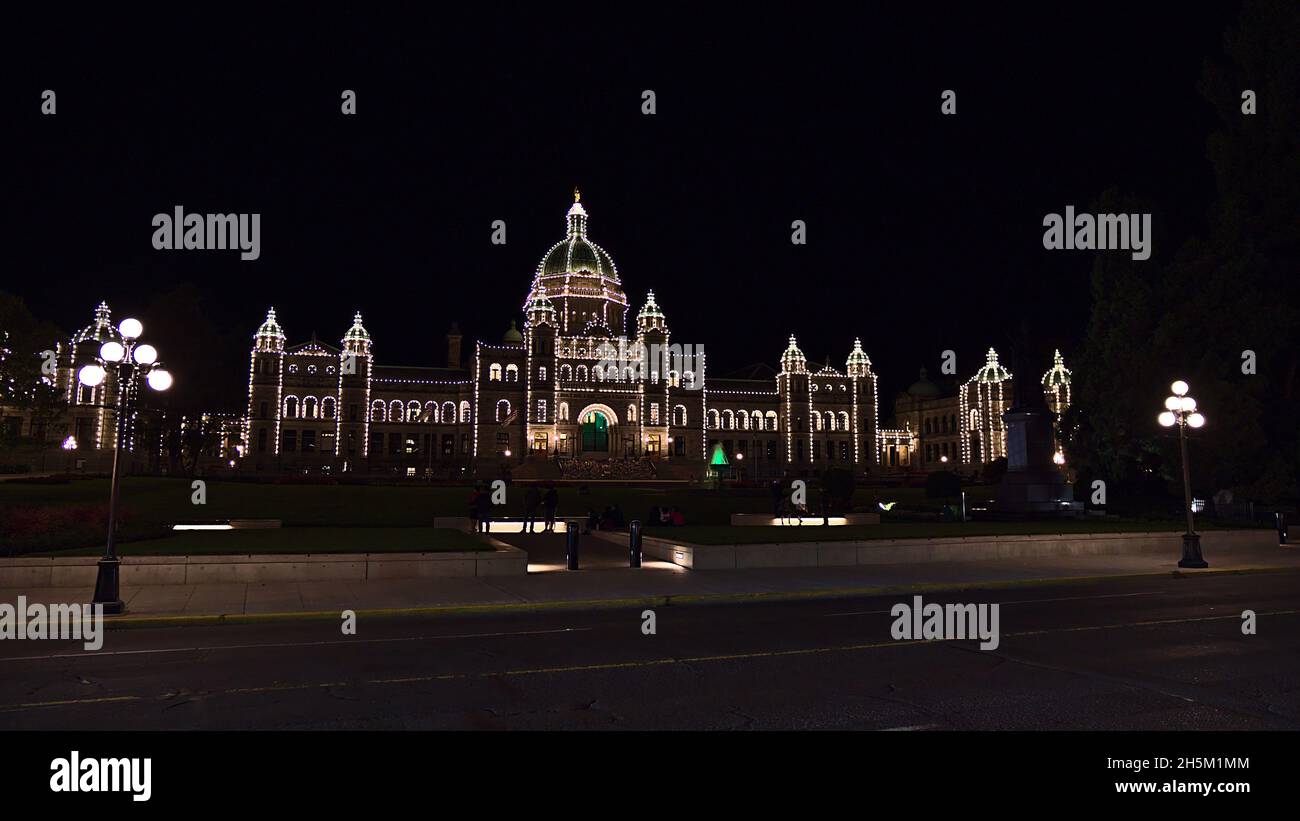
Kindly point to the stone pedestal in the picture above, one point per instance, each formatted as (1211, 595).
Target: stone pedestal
(1033, 487)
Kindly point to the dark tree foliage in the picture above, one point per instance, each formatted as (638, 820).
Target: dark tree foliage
(1195, 308)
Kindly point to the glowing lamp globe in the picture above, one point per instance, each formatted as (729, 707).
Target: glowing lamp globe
(1173, 403)
(112, 351)
(146, 354)
(1058, 458)
(1196, 420)
(1166, 419)
(1188, 404)
(1179, 388)
(90, 375)
(131, 328)
(160, 380)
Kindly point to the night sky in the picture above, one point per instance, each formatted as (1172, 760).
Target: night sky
(925, 231)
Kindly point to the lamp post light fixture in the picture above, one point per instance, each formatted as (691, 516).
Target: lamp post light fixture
(1180, 410)
(131, 361)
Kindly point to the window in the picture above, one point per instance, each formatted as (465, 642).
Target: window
(448, 444)
(581, 373)
(430, 413)
(679, 416)
(413, 411)
(563, 412)
(503, 409)
(927, 425)
(541, 412)
(309, 441)
(844, 420)
(771, 420)
(448, 413)
(261, 410)
(631, 413)
(464, 411)
(290, 440)
(375, 444)
(494, 372)
(309, 407)
(377, 411)
(713, 418)
(728, 419)
(291, 407)
(541, 374)
(654, 413)
(512, 372)
(409, 445)
(327, 407)
(352, 413)
(395, 413)
(566, 373)
(394, 443)
(261, 441)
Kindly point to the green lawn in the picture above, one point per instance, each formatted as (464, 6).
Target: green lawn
(293, 540)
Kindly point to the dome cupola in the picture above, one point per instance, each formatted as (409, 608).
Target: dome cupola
(101, 330)
(357, 339)
(651, 317)
(859, 364)
(793, 360)
(581, 280)
(270, 336)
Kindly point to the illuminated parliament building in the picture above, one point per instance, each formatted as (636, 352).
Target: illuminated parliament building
(549, 399)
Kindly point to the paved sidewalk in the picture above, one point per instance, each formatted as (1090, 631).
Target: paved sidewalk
(560, 588)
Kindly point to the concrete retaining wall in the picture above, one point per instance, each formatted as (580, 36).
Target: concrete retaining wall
(767, 519)
(145, 570)
(966, 548)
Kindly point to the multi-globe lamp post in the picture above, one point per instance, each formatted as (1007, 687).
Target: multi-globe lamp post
(1180, 410)
(131, 360)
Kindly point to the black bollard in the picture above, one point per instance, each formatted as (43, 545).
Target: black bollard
(571, 544)
(1281, 527)
(634, 543)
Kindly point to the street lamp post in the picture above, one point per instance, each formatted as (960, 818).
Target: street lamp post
(131, 360)
(1180, 410)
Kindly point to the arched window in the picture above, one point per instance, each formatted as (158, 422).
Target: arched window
(688, 379)
(494, 372)
(728, 419)
(927, 425)
(597, 373)
(431, 412)
(974, 419)
(503, 409)
(464, 410)
(830, 420)
(758, 420)
(562, 413)
(413, 411)
(631, 413)
(377, 410)
(581, 373)
(566, 373)
(674, 379)
(679, 416)
(448, 413)
(713, 418)
(816, 420)
(395, 411)
(291, 407)
(628, 373)
(771, 420)
(310, 407)
(327, 407)
(844, 420)
(512, 372)
(541, 374)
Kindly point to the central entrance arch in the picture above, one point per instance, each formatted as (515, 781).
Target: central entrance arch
(596, 423)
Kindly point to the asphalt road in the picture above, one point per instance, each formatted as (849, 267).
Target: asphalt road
(1150, 653)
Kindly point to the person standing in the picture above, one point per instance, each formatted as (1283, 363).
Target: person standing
(485, 511)
(532, 498)
(549, 503)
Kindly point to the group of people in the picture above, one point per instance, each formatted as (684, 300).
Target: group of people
(480, 508)
(611, 519)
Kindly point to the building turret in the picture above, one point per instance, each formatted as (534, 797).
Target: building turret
(859, 364)
(1056, 385)
(793, 360)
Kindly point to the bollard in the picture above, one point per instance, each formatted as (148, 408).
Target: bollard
(1281, 527)
(571, 544)
(634, 543)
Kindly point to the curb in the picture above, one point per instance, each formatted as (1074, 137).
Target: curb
(129, 622)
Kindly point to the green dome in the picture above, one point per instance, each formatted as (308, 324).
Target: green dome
(923, 388)
(512, 335)
(576, 254)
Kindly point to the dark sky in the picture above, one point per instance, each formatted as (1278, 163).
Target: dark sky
(925, 232)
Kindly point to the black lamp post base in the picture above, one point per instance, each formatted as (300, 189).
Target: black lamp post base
(106, 589)
(1192, 551)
